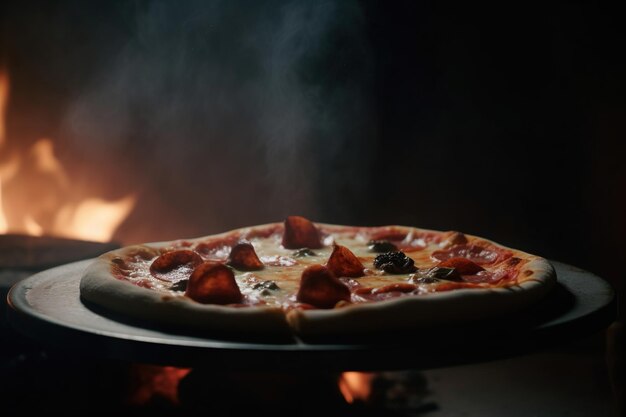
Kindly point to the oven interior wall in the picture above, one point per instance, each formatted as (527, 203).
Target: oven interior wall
(504, 122)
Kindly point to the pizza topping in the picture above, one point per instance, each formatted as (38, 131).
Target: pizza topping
(120, 265)
(442, 272)
(351, 283)
(266, 287)
(175, 265)
(217, 249)
(303, 253)
(454, 238)
(213, 283)
(143, 253)
(434, 275)
(449, 286)
(180, 285)
(300, 233)
(475, 253)
(320, 288)
(388, 233)
(243, 257)
(399, 287)
(269, 285)
(423, 279)
(395, 263)
(462, 265)
(343, 263)
(277, 260)
(487, 277)
(380, 246)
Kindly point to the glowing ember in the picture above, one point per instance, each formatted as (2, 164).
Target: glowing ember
(355, 386)
(4, 98)
(150, 381)
(37, 197)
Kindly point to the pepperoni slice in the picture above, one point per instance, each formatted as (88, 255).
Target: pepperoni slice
(389, 234)
(475, 253)
(320, 288)
(405, 241)
(300, 233)
(243, 257)
(462, 265)
(455, 238)
(486, 277)
(343, 263)
(449, 286)
(164, 265)
(213, 283)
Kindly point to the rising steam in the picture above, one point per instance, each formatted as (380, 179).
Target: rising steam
(223, 114)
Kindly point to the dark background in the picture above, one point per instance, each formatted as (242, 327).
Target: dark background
(504, 122)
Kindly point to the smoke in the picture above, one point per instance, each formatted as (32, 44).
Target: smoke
(223, 114)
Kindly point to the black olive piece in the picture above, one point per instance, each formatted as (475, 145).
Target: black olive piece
(301, 253)
(180, 285)
(380, 246)
(395, 263)
(266, 285)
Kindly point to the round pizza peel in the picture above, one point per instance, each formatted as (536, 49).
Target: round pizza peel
(47, 307)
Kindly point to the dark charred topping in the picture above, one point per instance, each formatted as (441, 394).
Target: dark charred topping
(320, 288)
(119, 264)
(303, 253)
(266, 287)
(343, 263)
(435, 274)
(300, 233)
(380, 246)
(395, 263)
(439, 272)
(424, 280)
(213, 283)
(180, 285)
(243, 257)
(170, 261)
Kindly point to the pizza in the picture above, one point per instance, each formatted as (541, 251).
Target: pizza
(310, 279)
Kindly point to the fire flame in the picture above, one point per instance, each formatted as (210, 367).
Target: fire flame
(355, 386)
(150, 381)
(37, 198)
(4, 98)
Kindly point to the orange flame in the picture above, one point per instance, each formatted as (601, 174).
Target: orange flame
(4, 99)
(37, 198)
(355, 386)
(150, 381)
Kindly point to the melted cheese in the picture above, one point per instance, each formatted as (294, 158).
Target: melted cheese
(284, 269)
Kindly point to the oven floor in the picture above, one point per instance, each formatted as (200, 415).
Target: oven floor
(571, 381)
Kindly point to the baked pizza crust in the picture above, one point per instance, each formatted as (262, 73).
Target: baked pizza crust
(101, 287)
